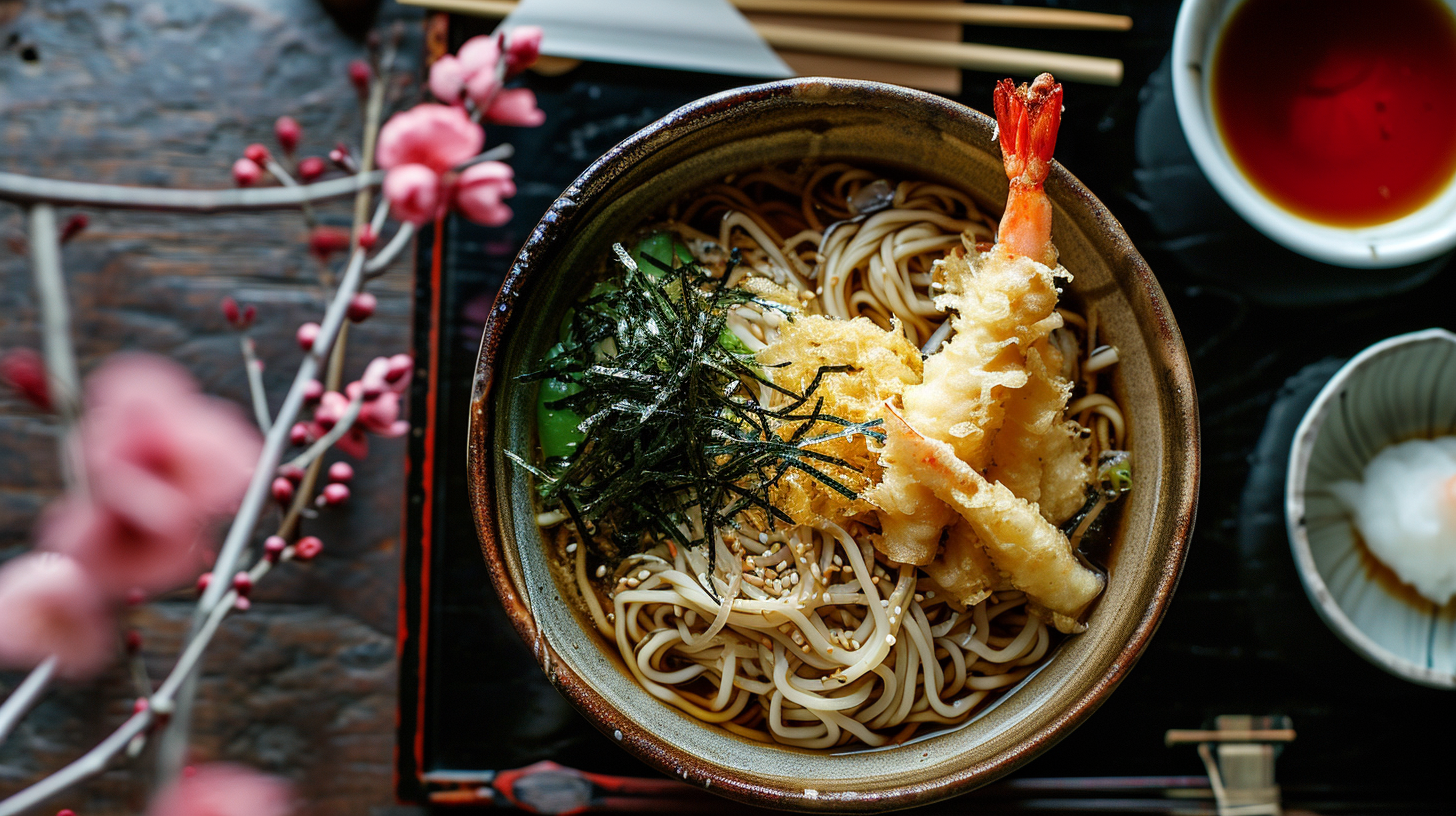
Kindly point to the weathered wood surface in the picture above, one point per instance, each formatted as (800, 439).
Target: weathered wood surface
(169, 94)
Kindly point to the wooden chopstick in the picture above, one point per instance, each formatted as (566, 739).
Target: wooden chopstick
(994, 58)
(970, 13)
(1178, 735)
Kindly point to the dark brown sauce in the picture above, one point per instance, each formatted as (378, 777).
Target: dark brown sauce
(1340, 111)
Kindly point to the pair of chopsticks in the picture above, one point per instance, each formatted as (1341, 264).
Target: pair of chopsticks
(971, 56)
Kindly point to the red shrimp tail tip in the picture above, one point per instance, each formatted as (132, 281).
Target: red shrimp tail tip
(1027, 119)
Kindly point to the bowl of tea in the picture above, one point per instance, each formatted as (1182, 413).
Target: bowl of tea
(1330, 125)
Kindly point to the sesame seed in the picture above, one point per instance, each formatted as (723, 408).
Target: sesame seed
(643, 575)
(885, 603)
(571, 548)
(633, 582)
(897, 611)
(763, 538)
(890, 639)
(602, 571)
(930, 594)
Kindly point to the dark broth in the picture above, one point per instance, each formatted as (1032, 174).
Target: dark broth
(1340, 111)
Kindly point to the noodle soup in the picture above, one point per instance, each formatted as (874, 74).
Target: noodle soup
(801, 611)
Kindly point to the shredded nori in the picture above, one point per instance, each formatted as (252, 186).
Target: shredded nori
(669, 420)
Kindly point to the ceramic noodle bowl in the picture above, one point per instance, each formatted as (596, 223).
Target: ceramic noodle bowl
(919, 136)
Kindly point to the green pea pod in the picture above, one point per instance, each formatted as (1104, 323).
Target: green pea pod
(662, 246)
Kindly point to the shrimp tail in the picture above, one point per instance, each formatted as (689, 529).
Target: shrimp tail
(1027, 119)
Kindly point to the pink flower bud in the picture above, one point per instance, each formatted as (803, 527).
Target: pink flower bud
(282, 490)
(340, 156)
(24, 370)
(136, 596)
(447, 80)
(133, 641)
(249, 312)
(242, 604)
(325, 241)
(140, 705)
(307, 548)
(246, 172)
(399, 366)
(340, 472)
(243, 583)
(362, 306)
(515, 106)
(311, 168)
(202, 581)
(307, 333)
(273, 547)
(231, 311)
(413, 192)
(359, 75)
(367, 236)
(523, 48)
(73, 226)
(298, 434)
(287, 131)
(312, 391)
(335, 494)
(65, 812)
(256, 153)
(479, 192)
(291, 472)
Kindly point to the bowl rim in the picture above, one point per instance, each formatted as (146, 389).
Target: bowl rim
(1418, 236)
(563, 218)
(1301, 450)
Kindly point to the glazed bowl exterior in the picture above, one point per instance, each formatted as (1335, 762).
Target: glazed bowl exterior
(1401, 388)
(902, 131)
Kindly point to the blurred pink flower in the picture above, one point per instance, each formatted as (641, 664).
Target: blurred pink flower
(224, 790)
(447, 80)
(49, 605)
(160, 457)
(516, 106)
(479, 191)
(523, 48)
(437, 136)
(387, 374)
(120, 553)
(413, 192)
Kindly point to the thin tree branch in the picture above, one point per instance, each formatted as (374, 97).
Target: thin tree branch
(254, 368)
(25, 694)
(286, 179)
(55, 319)
(335, 433)
(31, 190)
(380, 262)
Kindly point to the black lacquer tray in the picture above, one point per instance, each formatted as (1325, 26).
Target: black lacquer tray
(1239, 637)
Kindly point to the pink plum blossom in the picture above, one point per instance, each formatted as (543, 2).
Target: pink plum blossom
(160, 458)
(413, 192)
(49, 605)
(224, 790)
(480, 189)
(523, 48)
(447, 79)
(436, 136)
(515, 106)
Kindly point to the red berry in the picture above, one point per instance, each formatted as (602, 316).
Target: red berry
(340, 472)
(273, 547)
(362, 306)
(335, 494)
(24, 369)
(311, 168)
(359, 75)
(202, 581)
(243, 583)
(298, 434)
(282, 490)
(133, 641)
(291, 472)
(307, 333)
(256, 153)
(307, 548)
(287, 131)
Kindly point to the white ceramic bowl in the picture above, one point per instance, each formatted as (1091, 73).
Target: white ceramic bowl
(1397, 389)
(1417, 237)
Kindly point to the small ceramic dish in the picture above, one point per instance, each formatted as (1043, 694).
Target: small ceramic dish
(1398, 389)
(921, 135)
(1419, 236)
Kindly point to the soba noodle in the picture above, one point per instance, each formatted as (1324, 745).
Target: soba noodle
(809, 637)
